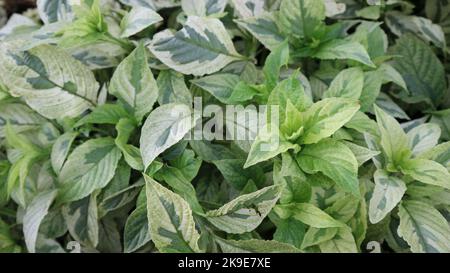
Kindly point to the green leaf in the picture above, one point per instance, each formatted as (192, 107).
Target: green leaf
(438, 11)
(221, 86)
(182, 186)
(301, 19)
(89, 167)
(255, 246)
(125, 127)
(172, 88)
(325, 117)
(422, 27)
(343, 242)
(7, 243)
(334, 160)
(394, 141)
(89, 25)
(316, 236)
(363, 124)
(290, 89)
(138, 19)
(133, 83)
(136, 232)
(246, 212)
(295, 188)
(82, 220)
(274, 62)
(348, 84)
(387, 194)
(172, 227)
(202, 47)
(421, 69)
(362, 154)
(165, 126)
(308, 214)
(49, 80)
(267, 145)
(343, 50)
(423, 227)
(104, 114)
(290, 231)
(428, 172)
(264, 28)
(233, 171)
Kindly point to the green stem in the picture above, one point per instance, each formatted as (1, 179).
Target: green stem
(120, 42)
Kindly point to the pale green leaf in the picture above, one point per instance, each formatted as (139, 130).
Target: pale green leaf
(334, 160)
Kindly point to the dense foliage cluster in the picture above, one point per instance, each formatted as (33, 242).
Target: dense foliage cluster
(97, 102)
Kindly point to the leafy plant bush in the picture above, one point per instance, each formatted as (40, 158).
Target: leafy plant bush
(98, 118)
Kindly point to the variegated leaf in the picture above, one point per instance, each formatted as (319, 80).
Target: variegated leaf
(136, 232)
(255, 246)
(202, 47)
(34, 214)
(90, 166)
(393, 139)
(424, 137)
(343, 242)
(301, 18)
(388, 192)
(60, 150)
(428, 172)
(172, 88)
(138, 19)
(325, 117)
(348, 83)
(52, 11)
(264, 28)
(165, 127)
(248, 8)
(424, 228)
(308, 214)
(221, 86)
(203, 7)
(343, 49)
(171, 224)
(48, 79)
(82, 220)
(400, 24)
(133, 83)
(362, 154)
(413, 62)
(20, 116)
(334, 160)
(246, 212)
